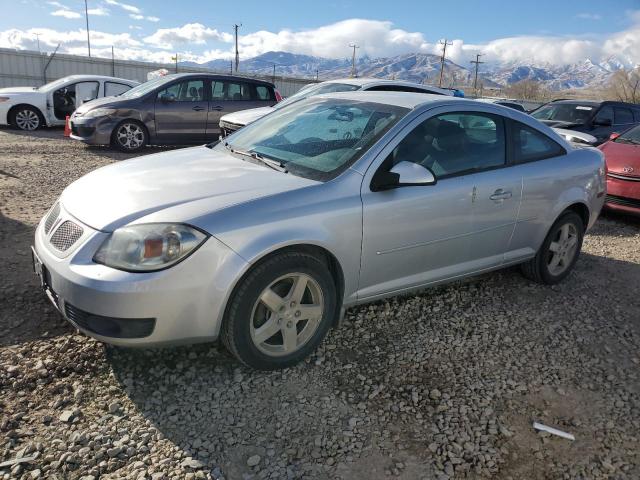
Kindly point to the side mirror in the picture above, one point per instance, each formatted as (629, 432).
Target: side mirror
(605, 122)
(614, 135)
(167, 98)
(403, 174)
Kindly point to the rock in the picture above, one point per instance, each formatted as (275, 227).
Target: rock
(192, 463)
(66, 416)
(253, 460)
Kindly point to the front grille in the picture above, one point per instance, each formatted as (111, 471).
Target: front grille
(51, 219)
(110, 326)
(620, 176)
(66, 235)
(80, 131)
(624, 201)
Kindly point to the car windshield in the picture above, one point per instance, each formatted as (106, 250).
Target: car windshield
(630, 136)
(317, 90)
(564, 112)
(53, 85)
(317, 138)
(145, 87)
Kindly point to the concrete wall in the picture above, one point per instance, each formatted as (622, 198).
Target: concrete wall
(25, 68)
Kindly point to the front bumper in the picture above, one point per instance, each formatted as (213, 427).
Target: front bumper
(182, 304)
(623, 193)
(93, 131)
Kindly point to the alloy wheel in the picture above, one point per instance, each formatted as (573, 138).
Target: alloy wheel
(286, 314)
(27, 120)
(562, 250)
(130, 136)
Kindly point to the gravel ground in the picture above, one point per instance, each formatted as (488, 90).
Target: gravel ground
(444, 384)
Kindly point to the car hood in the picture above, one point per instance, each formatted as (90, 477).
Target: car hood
(209, 180)
(245, 117)
(116, 102)
(15, 90)
(622, 158)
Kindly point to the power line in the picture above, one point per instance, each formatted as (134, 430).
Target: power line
(86, 15)
(444, 52)
(354, 73)
(477, 63)
(235, 28)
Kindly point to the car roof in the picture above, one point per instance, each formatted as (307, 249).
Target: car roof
(368, 81)
(218, 76)
(100, 77)
(409, 100)
(581, 102)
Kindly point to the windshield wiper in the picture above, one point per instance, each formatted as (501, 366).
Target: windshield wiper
(273, 164)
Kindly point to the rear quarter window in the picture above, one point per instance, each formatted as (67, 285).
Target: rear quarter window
(264, 93)
(531, 145)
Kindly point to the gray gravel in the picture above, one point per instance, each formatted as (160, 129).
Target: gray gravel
(444, 384)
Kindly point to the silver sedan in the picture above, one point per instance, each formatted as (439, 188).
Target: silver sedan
(264, 239)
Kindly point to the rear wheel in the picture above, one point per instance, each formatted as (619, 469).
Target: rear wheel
(26, 118)
(130, 136)
(559, 251)
(281, 311)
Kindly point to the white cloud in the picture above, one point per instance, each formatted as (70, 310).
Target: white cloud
(136, 16)
(124, 6)
(194, 33)
(26, 39)
(589, 16)
(152, 19)
(99, 11)
(65, 13)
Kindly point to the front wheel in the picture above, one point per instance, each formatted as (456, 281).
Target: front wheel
(559, 251)
(130, 136)
(26, 118)
(281, 311)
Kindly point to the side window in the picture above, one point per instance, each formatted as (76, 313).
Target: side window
(237, 91)
(622, 116)
(636, 116)
(187, 91)
(217, 90)
(453, 143)
(113, 88)
(604, 116)
(264, 93)
(531, 145)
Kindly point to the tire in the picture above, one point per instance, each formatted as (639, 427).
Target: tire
(265, 325)
(541, 268)
(26, 118)
(129, 136)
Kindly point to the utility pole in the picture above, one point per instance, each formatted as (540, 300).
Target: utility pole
(230, 67)
(235, 28)
(274, 74)
(113, 63)
(317, 74)
(475, 80)
(354, 73)
(40, 55)
(86, 15)
(176, 60)
(444, 52)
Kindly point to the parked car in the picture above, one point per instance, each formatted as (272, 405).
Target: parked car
(235, 121)
(505, 103)
(577, 138)
(599, 119)
(29, 108)
(344, 198)
(174, 109)
(622, 155)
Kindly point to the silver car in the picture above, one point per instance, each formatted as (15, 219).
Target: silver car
(264, 239)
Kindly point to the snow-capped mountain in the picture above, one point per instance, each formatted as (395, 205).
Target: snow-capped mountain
(424, 67)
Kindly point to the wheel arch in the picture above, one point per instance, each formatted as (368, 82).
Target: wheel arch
(12, 110)
(582, 210)
(334, 266)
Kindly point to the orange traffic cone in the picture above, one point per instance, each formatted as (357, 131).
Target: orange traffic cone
(67, 128)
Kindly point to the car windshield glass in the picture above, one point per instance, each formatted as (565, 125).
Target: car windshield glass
(317, 138)
(53, 85)
(146, 87)
(630, 136)
(317, 90)
(564, 112)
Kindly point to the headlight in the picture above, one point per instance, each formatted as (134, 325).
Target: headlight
(98, 112)
(149, 247)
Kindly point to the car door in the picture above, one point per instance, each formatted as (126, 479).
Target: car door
(181, 111)
(497, 186)
(229, 96)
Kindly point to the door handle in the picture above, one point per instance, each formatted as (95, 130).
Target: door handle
(198, 108)
(500, 195)
(217, 108)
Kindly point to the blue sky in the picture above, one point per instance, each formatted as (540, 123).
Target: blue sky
(201, 29)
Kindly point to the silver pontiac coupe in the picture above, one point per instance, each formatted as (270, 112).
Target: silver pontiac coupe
(264, 239)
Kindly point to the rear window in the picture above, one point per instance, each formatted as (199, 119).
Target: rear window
(264, 93)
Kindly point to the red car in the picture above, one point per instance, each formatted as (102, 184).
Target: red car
(622, 154)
